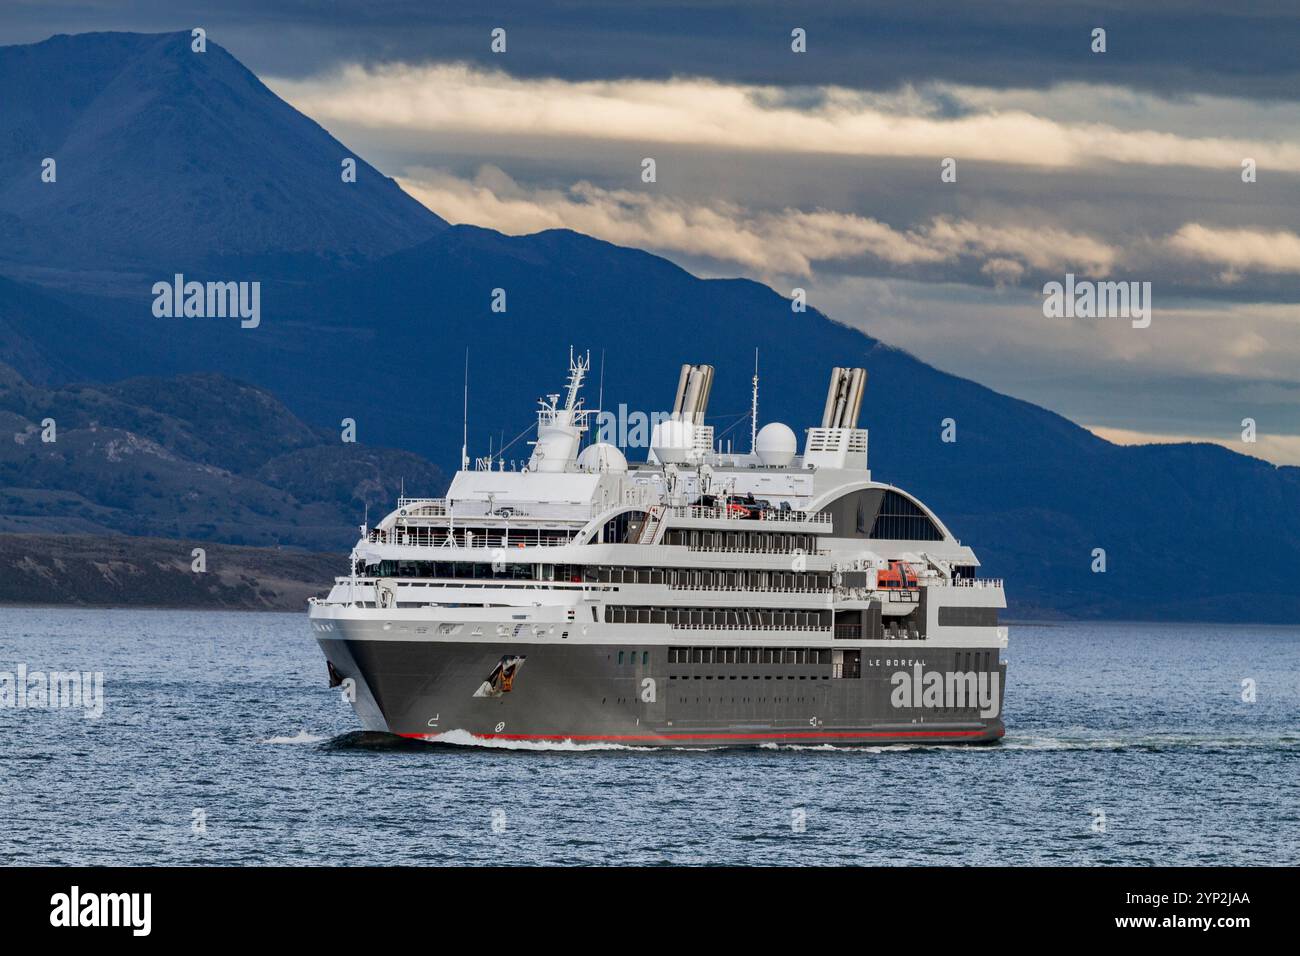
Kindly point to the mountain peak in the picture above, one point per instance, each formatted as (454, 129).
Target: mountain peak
(170, 158)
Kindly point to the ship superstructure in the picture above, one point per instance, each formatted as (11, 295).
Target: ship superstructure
(698, 598)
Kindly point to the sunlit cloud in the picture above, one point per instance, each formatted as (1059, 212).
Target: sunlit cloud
(791, 242)
(785, 242)
(939, 121)
(1280, 449)
(1239, 250)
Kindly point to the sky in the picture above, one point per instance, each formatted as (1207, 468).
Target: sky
(821, 170)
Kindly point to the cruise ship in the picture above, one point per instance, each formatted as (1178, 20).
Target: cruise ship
(700, 598)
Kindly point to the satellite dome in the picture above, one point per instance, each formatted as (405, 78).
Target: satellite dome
(775, 444)
(673, 441)
(602, 456)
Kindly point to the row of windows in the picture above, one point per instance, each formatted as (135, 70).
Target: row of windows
(461, 570)
(746, 700)
(735, 617)
(632, 656)
(749, 677)
(708, 579)
(777, 542)
(976, 661)
(439, 536)
(704, 579)
(749, 655)
(968, 616)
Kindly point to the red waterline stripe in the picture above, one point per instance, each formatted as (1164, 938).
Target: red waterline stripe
(803, 735)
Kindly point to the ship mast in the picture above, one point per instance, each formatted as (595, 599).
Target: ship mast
(464, 438)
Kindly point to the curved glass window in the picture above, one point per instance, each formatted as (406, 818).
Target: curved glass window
(901, 519)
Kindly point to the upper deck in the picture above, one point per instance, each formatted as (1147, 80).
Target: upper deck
(574, 502)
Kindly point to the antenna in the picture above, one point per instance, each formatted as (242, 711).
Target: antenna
(753, 409)
(464, 439)
(600, 401)
(577, 369)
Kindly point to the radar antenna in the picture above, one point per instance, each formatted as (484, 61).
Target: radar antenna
(578, 369)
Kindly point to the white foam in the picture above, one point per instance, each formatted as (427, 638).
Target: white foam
(463, 738)
(302, 737)
(866, 748)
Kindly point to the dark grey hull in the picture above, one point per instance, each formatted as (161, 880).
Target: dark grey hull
(623, 694)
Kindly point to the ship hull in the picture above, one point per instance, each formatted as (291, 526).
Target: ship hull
(494, 692)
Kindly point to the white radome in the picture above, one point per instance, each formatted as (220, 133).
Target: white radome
(775, 444)
(603, 457)
(673, 441)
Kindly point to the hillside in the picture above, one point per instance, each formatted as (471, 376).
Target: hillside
(198, 456)
(117, 571)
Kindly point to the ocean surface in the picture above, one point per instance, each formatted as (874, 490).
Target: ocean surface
(219, 743)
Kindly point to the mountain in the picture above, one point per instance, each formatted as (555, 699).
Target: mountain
(169, 157)
(376, 328)
(198, 456)
(117, 571)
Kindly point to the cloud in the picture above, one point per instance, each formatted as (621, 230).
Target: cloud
(791, 242)
(1280, 449)
(1238, 250)
(783, 242)
(934, 122)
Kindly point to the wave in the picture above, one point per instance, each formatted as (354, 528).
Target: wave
(463, 738)
(1147, 742)
(302, 737)
(1064, 742)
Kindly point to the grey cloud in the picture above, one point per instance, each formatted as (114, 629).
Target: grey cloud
(1177, 46)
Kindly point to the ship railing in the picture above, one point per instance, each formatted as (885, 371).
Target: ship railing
(741, 587)
(968, 583)
(902, 595)
(421, 537)
(429, 506)
(853, 594)
(407, 500)
(442, 508)
(731, 514)
(494, 584)
(772, 552)
(748, 627)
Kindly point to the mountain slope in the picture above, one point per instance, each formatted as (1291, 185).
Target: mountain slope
(197, 456)
(117, 571)
(172, 158)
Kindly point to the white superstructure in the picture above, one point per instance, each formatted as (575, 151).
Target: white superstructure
(692, 548)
